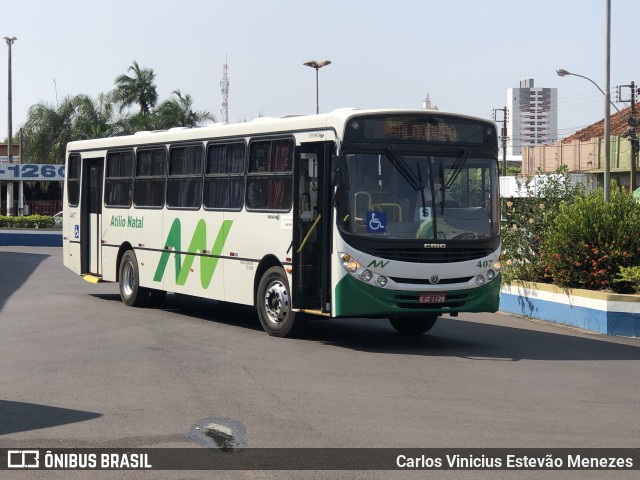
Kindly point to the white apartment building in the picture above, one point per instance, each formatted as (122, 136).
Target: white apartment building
(532, 116)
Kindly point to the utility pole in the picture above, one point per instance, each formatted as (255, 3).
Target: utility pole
(9, 41)
(224, 86)
(607, 109)
(503, 136)
(631, 132)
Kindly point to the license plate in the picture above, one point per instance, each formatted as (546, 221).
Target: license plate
(432, 297)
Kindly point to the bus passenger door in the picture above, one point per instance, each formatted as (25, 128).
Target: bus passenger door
(91, 216)
(311, 243)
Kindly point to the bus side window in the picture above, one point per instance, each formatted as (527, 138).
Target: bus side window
(256, 197)
(184, 185)
(224, 176)
(270, 175)
(119, 179)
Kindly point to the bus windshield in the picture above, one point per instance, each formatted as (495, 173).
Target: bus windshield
(419, 197)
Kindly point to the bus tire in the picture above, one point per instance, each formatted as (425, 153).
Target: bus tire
(273, 302)
(413, 326)
(131, 293)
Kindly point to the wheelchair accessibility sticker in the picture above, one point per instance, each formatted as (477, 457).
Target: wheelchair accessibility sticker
(377, 222)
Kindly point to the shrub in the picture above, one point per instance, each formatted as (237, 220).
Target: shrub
(526, 219)
(590, 240)
(629, 276)
(31, 221)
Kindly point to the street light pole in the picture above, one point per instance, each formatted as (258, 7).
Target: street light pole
(563, 73)
(607, 109)
(607, 120)
(9, 41)
(317, 65)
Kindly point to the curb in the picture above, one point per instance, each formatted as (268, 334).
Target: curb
(30, 238)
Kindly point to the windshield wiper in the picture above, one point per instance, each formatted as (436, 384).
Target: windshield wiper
(415, 181)
(457, 168)
(400, 163)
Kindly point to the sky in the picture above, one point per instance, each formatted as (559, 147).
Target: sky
(463, 54)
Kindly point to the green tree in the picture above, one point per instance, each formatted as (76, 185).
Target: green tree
(590, 240)
(178, 112)
(47, 131)
(525, 221)
(139, 89)
(129, 124)
(93, 118)
(49, 128)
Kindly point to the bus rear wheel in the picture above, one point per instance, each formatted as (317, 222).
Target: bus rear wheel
(131, 293)
(413, 326)
(273, 302)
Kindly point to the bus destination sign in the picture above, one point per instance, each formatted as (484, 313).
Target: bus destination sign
(441, 129)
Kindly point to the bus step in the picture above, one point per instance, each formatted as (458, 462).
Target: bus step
(91, 278)
(314, 312)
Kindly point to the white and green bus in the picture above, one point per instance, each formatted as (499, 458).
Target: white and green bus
(355, 213)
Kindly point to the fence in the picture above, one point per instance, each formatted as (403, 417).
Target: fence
(36, 207)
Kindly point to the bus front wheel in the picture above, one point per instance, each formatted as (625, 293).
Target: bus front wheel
(273, 302)
(413, 326)
(132, 294)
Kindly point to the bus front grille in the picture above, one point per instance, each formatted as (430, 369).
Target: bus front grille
(425, 281)
(440, 255)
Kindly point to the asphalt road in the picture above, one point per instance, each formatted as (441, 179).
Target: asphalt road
(78, 369)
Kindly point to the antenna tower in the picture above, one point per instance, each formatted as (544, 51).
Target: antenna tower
(224, 84)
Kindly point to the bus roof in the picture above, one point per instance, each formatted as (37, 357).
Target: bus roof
(334, 120)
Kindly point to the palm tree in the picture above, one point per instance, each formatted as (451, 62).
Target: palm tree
(93, 118)
(178, 112)
(47, 131)
(49, 128)
(139, 89)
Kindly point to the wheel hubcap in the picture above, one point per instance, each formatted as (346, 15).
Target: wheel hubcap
(128, 279)
(276, 303)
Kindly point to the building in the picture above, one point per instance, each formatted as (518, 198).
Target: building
(583, 152)
(532, 116)
(15, 153)
(426, 105)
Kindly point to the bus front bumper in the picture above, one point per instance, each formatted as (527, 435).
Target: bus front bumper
(354, 298)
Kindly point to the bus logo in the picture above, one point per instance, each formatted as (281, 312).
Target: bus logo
(378, 264)
(208, 263)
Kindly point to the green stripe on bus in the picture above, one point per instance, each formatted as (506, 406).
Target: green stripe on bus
(198, 243)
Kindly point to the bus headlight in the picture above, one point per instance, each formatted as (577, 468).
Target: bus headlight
(491, 275)
(362, 273)
(497, 266)
(480, 280)
(351, 266)
(366, 275)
